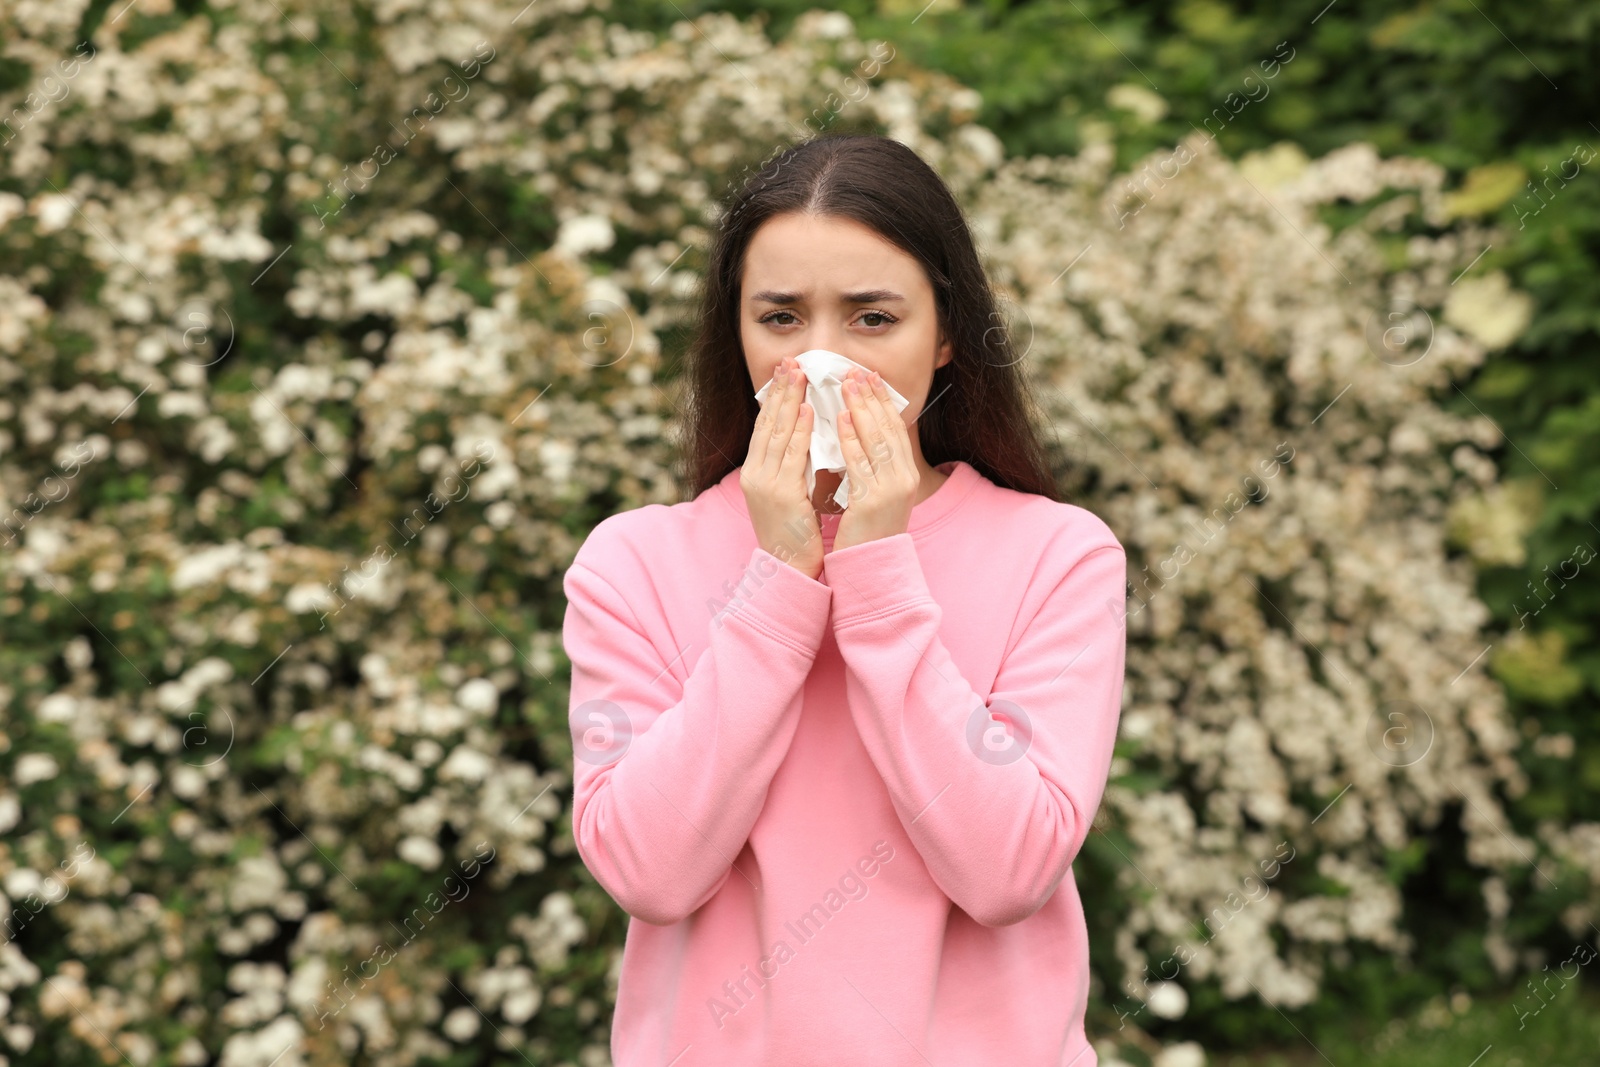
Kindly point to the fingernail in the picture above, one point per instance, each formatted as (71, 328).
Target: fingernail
(783, 372)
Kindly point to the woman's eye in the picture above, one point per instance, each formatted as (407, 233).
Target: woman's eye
(784, 318)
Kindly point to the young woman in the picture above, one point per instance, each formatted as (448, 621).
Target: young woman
(837, 766)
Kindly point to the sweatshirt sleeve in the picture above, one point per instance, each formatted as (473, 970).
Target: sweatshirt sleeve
(669, 775)
(996, 795)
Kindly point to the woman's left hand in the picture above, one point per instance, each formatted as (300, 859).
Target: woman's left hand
(878, 457)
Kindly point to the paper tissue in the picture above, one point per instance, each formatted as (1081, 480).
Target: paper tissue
(825, 371)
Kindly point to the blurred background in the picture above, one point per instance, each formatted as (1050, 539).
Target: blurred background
(328, 331)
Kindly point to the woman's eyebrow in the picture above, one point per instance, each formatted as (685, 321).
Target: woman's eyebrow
(865, 296)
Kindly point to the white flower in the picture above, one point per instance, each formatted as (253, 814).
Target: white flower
(35, 767)
(204, 565)
(187, 782)
(461, 1024)
(1168, 1000)
(584, 234)
(1183, 1054)
(983, 145)
(1488, 309)
(307, 597)
(258, 881)
(466, 763)
(518, 1007)
(22, 882)
(1139, 100)
(829, 25)
(478, 696)
(499, 514)
(421, 852)
(54, 212)
(58, 707)
(11, 205)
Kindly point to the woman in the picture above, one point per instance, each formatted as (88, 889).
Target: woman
(837, 766)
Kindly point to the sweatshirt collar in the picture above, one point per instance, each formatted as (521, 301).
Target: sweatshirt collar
(932, 512)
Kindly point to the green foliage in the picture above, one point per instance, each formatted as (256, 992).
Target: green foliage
(1055, 77)
(1450, 1031)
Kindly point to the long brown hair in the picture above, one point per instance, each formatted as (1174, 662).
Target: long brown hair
(987, 418)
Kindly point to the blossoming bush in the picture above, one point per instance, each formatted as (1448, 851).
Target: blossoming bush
(326, 338)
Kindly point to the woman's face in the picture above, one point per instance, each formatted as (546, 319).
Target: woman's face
(814, 281)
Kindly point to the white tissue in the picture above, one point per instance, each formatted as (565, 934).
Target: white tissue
(825, 371)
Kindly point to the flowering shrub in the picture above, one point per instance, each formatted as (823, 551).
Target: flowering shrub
(300, 432)
(1302, 645)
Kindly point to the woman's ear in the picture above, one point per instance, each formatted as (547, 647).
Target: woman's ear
(944, 353)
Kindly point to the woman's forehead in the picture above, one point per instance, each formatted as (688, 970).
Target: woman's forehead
(821, 262)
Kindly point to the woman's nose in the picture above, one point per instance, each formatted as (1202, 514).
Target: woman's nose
(828, 340)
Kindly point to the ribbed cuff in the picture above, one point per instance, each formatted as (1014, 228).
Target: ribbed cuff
(874, 578)
(777, 599)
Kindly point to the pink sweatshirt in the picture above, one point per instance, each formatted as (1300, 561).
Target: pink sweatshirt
(842, 812)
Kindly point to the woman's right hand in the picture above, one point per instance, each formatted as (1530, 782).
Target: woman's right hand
(774, 474)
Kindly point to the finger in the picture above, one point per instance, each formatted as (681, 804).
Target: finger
(761, 435)
(893, 426)
(894, 454)
(793, 467)
(785, 418)
(777, 434)
(880, 397)
(855, 458)
(869, 433)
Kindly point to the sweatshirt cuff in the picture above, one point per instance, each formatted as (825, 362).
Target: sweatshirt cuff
(875, 578)
(780, 601)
